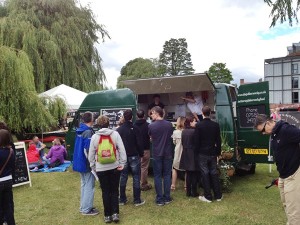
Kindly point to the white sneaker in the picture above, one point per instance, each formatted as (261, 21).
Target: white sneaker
(203, 199)
(219, 199)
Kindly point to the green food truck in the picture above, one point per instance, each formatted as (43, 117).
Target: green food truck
(234, 109)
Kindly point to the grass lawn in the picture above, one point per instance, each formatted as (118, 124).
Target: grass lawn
(54, 199)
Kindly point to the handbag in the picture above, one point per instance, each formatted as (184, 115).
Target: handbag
(10, 152)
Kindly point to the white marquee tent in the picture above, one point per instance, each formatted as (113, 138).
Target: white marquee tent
(72, 96)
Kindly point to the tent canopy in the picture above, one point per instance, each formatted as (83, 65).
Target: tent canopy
(72, 96)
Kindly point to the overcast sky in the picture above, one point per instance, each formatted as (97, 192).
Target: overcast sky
(235, 32)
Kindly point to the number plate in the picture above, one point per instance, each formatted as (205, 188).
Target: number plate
(256, 151)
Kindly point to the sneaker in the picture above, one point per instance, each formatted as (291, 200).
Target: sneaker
(34, 169)
(168, 201)
(142, 202)
(160, 203)
(203, 199)
(123, 203)
(219, 199)
(92, 212)
(115, 217)
(107, 219)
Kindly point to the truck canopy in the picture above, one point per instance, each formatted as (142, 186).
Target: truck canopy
(172, 84)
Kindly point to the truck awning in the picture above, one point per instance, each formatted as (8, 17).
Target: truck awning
(172, 84)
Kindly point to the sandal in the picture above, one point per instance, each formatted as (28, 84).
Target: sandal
(173, 188)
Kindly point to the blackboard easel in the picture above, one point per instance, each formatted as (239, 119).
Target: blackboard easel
(22, 174)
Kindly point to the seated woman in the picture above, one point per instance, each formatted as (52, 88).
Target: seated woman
(56, 155)
(33, 157)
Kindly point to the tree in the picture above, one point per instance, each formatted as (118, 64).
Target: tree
(175, 58)
(58, 37)
(284, 10)
(218, 73)
(20, 106)
(138, 68)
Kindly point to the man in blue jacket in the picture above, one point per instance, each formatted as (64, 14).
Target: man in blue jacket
(285, 139)
(82, 165)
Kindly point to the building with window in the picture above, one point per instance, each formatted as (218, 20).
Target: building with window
(283, 74)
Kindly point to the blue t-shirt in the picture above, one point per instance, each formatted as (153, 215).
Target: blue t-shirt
(160, 132)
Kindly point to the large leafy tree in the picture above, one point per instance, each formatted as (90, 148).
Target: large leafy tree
(59, 38)
(138, 68)
(20, 106)
(218, 73)
(175, 58)
(284, 10)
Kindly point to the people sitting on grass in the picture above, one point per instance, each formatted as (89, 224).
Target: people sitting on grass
(39, 145)
(56, 155)
(33, 157)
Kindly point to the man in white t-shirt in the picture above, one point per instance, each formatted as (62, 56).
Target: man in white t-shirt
(195, 105)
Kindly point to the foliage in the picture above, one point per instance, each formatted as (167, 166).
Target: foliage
(56, 106)
(224, 166)
(58, 37)
(218, 73)
(224, 143)
(175, 58)
(137, 69)
(283, 10)
(20, 106)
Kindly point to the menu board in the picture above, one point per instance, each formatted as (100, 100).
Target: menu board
(247, 114)
(114, 115)
(22, 175)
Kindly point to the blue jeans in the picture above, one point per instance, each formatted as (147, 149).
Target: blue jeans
(109, 183)
(162, 169)
(87, 192)
(6, 202)
(209, 173)
(135, 165)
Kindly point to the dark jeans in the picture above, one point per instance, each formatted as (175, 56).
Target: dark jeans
(6, 202)
(134, 162)
(191, 183)
(162, 169)
(109, 183)
(210, 176)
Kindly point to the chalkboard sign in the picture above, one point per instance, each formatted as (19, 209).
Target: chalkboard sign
(247, 114)
(22, 175)
(114, 115)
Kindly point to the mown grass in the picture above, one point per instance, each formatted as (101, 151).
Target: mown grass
(54, 199)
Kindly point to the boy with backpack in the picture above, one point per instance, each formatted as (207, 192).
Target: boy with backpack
(82, 165)
(107, 157)
(133, 143)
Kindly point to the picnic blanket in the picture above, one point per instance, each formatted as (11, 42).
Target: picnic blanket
(61, 168)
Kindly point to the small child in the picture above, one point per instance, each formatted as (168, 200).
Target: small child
(57, 154)
(33, 157)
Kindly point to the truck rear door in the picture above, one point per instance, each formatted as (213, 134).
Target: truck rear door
(252, 99)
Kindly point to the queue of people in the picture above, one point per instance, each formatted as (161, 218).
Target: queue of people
(109, 155)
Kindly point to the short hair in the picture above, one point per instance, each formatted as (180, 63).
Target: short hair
(127, 114)
(87, 117)
(3, 125)
(188, 120)
(103, 122)
(5, 138)
(261, 119)
(156, 96)
(140, 114)
(206, 111)
(158, 110)
(180, 123)
(34, 137)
